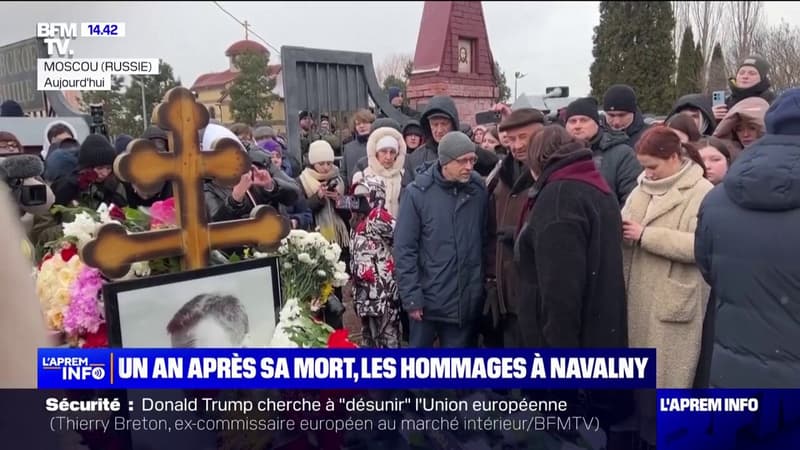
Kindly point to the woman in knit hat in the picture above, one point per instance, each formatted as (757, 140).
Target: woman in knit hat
(96, 182)
(751, 80)
(386, 152)
(323, 188)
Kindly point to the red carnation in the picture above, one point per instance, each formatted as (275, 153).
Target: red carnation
(68, 252)
(338, 339)
(98, 339)
(116, 213)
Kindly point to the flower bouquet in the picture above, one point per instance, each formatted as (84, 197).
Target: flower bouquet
(309, 270)
(71, 292)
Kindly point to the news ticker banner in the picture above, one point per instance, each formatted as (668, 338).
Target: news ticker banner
(728, 419)
(62, 71)
(345, 369)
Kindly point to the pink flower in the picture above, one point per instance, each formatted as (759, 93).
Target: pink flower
(84, 313)
(162, 214)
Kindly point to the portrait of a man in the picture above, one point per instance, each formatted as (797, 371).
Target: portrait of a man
(465, 55)
(210, 321)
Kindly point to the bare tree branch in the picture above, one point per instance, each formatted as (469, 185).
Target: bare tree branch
(681, 12)
(706, 18)
(745, 19)
(394, 64)
(780, 45)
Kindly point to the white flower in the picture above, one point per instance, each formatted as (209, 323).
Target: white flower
(287, 265)
(257, 254)
(321, 273)
(83, 228)
(340, 266)
(280, 339)
(141, 269)
(283, 250)
(290, 310)
(304, 258)
(330, 255)
(340, 279)
(297, 234)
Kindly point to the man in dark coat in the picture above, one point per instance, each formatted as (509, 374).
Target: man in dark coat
(441, 117)
(698, 107)
(622, 112)
(746, 247)
(357, 148)
(508, 186)
(439, 247)
(612, 154)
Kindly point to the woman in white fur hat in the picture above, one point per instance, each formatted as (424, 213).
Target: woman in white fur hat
(386, 154)
(323, 188)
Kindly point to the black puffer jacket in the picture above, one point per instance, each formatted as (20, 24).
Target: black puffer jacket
(700, 102)
(430, 151)
(747, 248)
(615, 159)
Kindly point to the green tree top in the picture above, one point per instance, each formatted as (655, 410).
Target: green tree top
(251, 92)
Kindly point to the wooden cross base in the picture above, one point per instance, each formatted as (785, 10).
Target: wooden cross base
(187, 167)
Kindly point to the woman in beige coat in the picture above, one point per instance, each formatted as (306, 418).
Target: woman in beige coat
(667, 296)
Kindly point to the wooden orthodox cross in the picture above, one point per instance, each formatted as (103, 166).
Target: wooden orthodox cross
(114, 249)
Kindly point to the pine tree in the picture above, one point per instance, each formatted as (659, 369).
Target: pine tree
(633, 45)
(717, 73)
(699, 65)
(251, 92)
(686, 82)
(502, 85)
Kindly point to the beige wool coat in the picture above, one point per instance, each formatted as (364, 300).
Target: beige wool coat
(667, 296)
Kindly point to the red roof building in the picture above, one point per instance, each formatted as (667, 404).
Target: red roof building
(210, 87)
(453, 58)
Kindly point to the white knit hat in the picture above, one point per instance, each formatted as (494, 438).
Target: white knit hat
(388, 142)
(320, 151)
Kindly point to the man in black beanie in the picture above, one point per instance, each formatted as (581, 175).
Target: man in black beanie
(622, 112)
(612, 155)
(751, 80)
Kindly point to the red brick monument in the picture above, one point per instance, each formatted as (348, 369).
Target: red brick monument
(453, 58)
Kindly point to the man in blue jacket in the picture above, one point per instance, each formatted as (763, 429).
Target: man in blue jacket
(439, 247)
(746, 246)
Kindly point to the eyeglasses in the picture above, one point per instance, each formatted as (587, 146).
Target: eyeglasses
(471, 161)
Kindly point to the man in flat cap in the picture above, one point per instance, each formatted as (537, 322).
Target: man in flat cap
(508, 185)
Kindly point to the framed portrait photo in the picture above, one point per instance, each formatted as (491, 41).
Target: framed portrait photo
(227, 306)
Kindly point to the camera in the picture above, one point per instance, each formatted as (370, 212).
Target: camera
(31, 195)
(97, 114)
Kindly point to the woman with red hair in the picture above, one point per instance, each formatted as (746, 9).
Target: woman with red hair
(666, 293)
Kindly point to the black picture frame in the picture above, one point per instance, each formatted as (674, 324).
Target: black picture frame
(113, 290)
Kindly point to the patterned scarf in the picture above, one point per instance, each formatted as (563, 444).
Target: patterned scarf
(328, 221)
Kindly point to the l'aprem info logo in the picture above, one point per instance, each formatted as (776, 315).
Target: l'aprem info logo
(62, 71)
(75, 368)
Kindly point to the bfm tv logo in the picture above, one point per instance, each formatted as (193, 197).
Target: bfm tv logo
(75, 368)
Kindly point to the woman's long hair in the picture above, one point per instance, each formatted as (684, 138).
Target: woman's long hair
(661, 142)
(551, 142)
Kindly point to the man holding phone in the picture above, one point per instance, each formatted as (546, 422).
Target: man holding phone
(752, 80)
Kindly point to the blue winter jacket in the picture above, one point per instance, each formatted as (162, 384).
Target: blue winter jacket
(439, 246)
(747, 247)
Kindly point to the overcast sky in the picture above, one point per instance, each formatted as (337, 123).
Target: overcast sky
(550, 41)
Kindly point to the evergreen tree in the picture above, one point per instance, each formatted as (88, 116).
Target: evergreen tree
(502, 85)
(633, 45)
(251, 92)
(393, 81)
(686, 82)
(699, 64)
(717, 72)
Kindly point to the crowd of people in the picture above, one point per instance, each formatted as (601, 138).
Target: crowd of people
(592, 230)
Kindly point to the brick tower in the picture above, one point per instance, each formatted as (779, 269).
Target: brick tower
(453, 58)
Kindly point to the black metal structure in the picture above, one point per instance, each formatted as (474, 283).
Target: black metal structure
(328, 81)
